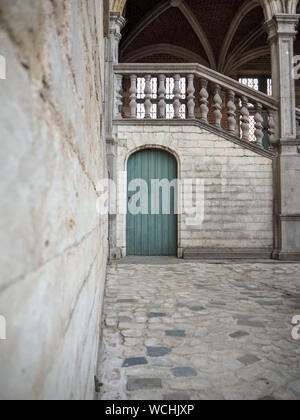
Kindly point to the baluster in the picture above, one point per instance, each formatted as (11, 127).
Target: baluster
(259, 128)
(133, 96)
(162, 96)
(148, 96)
(119, 96)
(177, 102)
(204, 95)
(245, 119)
(272, 130)
(191, 96)
(217, 106)
(231, 112)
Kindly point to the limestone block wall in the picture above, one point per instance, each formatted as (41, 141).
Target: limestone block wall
(53, 244)
(238, 186)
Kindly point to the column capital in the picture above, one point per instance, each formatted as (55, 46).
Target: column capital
(117, 23)
(283, 25)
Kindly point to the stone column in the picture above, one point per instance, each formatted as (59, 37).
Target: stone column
(282, 31)
(117, 22)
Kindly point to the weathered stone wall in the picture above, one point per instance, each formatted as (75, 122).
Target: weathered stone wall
(238, 186)
(53, 244)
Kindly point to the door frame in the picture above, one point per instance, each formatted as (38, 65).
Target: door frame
(178, 161)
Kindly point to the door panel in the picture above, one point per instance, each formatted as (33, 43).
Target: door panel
(151, 234)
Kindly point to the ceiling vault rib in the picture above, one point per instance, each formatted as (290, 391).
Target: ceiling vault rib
(195, 24)
(248, 40)
(242, 12)
(145, 22)
(242, 47)
(230, 56)
(170, 49)
(250, 55)
(273, 7)
(187, 13)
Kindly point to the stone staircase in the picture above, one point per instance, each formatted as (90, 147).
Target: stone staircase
(160, 94)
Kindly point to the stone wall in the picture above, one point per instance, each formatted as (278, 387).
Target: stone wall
(238, 187)
(53, 244)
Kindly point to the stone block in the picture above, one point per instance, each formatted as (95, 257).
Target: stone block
(157, 351)
(136, 384)
(184, 372)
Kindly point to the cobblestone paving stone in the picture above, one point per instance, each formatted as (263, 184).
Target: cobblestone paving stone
(201, 331)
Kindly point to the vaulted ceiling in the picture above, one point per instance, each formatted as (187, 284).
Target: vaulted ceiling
(227, 36)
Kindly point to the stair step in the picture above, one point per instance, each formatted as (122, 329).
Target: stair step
(228, 253)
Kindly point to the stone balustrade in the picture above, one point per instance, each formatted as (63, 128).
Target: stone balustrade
(298, 121)
(194, 92)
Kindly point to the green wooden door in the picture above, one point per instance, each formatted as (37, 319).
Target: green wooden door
(151, 219)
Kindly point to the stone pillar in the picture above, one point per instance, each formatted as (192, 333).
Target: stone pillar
(282, 32)
(117, 22)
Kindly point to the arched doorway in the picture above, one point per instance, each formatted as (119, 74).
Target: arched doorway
(152, 197)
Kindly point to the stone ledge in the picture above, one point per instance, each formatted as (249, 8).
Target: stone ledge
(292, 218)
(286, 256)
(226, 253)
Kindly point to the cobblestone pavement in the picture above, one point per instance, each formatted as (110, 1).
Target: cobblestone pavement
(201, 331)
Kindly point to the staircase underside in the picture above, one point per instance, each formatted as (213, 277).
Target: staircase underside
(270, 154)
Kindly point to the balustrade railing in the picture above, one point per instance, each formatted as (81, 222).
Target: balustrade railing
(298, 121)
(192, 91)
